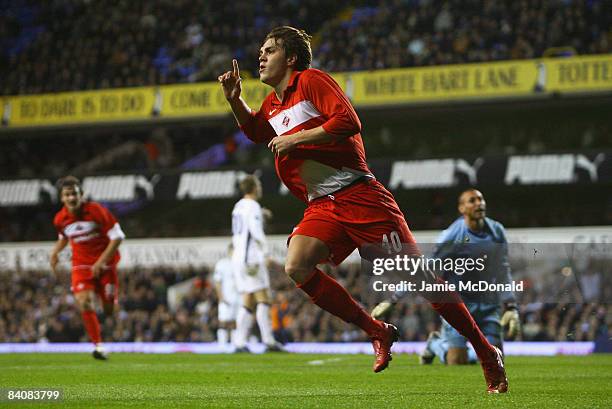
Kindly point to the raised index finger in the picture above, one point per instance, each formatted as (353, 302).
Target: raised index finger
(236, 69)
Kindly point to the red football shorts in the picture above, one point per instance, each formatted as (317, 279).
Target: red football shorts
(365, 213)
(106, 286)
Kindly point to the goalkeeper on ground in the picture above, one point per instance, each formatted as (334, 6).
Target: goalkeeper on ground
(469, 236)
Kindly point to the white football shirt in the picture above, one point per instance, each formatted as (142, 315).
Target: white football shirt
(247, 233)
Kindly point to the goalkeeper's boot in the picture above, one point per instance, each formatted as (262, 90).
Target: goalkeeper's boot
(495, 374)
(382, 340)
(427, 356)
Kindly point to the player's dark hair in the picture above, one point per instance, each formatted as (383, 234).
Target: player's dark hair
(295, 42)
(70, 182)
(248, 184)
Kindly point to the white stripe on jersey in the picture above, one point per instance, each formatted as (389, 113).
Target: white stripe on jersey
(322, 180)
(79, 228)
(289, 118)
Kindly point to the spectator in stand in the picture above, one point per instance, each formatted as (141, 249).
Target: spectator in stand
(282, 318)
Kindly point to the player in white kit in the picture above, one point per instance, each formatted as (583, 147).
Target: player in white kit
(249, 262)
(228, 296)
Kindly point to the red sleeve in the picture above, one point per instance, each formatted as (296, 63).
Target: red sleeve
(258, 129)
(58, 226)
(104, 217)
(329, 99)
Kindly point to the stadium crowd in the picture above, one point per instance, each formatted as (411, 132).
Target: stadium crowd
(38, 307)
(76, 45)
(393, 34)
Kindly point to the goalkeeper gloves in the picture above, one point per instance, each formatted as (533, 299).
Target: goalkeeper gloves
(511, 319)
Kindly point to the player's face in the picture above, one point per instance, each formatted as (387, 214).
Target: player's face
(473, 205)
(273, 63)
(72, 198)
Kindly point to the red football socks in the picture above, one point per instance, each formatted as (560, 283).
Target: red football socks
(92, 326)
(456, 314)
(328, 294)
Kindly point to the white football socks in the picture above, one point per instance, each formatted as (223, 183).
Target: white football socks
(222, 336)
(244, 321)
(265, 323)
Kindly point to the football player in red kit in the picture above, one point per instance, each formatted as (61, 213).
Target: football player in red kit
(312, 129)
(94, 235)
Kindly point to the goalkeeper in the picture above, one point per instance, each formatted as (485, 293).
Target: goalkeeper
(471, 235)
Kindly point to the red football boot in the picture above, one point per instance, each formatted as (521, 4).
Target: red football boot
(495, 374)
(382, 341)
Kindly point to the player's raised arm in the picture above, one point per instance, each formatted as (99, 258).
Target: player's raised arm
(231, 83)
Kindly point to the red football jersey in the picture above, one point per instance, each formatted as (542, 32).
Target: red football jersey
(88, 232)
(313, 99)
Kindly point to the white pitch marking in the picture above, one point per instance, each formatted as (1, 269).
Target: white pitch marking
(323, 361)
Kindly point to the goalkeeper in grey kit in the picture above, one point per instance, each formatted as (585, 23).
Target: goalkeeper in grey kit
(470, 235)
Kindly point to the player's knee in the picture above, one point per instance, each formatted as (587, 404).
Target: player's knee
(85, 304)
(457, 356)
(248, 302)
(84, 301)
(454, 361)
(263, 297)
(297, 272)
(302, 257)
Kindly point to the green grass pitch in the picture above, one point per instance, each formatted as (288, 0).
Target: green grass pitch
(303, 381)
